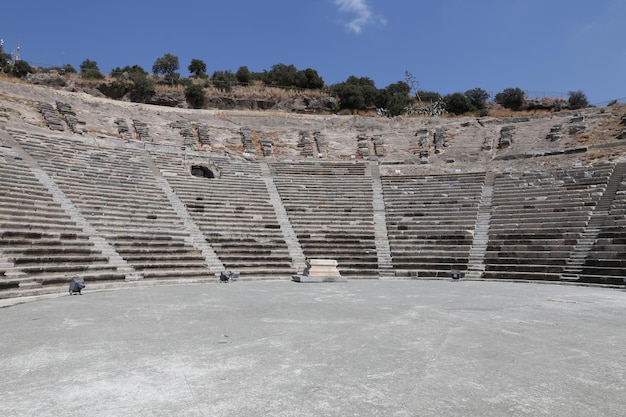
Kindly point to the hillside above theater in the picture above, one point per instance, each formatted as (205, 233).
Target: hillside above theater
(418, 144)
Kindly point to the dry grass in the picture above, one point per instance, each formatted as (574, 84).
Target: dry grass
(10, 79)
(519, 113)
(163, 89)
(255, 90)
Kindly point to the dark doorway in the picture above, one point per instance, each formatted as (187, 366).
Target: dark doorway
(201, 171)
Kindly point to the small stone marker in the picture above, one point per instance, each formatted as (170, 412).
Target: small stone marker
(320, 270)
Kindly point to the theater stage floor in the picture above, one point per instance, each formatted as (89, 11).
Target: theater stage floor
(277, 348)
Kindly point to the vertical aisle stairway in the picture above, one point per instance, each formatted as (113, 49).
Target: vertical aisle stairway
(385, 262)
(476, 260)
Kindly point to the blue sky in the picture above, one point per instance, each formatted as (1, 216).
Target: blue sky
(541, 46)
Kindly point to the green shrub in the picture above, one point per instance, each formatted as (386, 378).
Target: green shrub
(577, 100)
(21, 68)
(142, 89)
(224, 80)
(116, 89)
(309, 78)
(428, 96)
(457, 103)
(511, 98)
(478, 97)
(356, 93)
(394, 98)
(194, 94)
(89, 70)
(243, 75)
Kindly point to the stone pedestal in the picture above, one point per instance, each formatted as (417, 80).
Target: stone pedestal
(320, 270)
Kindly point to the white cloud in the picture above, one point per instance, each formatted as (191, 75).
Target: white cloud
(362, 14)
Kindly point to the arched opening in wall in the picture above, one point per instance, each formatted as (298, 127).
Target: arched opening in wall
(201, 171)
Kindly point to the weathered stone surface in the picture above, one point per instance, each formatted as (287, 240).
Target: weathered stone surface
(51, 116)
(577, 118)
(50, 80)
(555, 133)
(506, 136)
(4, 114)
(440, 139)
(487, 144)
(575, 129)
(203, 134)
(141, 128)
(267, 146)
(246, 140)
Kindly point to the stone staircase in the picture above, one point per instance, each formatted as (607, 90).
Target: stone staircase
(385, 262)
(198, 239)
(119, 197)
(45, 241)
(476, 260)
(295, 250)
(234, 212)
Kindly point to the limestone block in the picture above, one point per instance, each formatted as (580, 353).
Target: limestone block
(320, 270)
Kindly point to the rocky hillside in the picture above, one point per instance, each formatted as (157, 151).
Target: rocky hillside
(403, 144)
(241, 98)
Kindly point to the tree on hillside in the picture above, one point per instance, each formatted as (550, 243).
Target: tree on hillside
(143, 87)
(130, 79)
(89, 70)
(194, 94)
(281, 75)
(243, 75)
(127, 71)
(478, 97)
(224, 80)
(309, 78)
(356, 93)
(577, 100)
(457, 103)
(394, 98)
(21, 69)
(198, 68)
(167, 65)
(511, 98)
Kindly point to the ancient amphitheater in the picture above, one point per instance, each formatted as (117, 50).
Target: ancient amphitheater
(120, 192)
(128, 196)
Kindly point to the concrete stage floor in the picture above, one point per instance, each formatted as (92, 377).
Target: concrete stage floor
(277, 348)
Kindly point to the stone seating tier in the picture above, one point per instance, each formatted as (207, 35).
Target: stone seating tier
(522, 275)
(430, 220)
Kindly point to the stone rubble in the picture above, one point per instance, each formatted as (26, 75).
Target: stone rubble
(70, 117)
(305, 144)
(203, 134)
(506, 136)
(555, 133)
(440, 139)
(267, 146)
(51, 116)
(246, 139)
(122, 129)
(141, 129)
